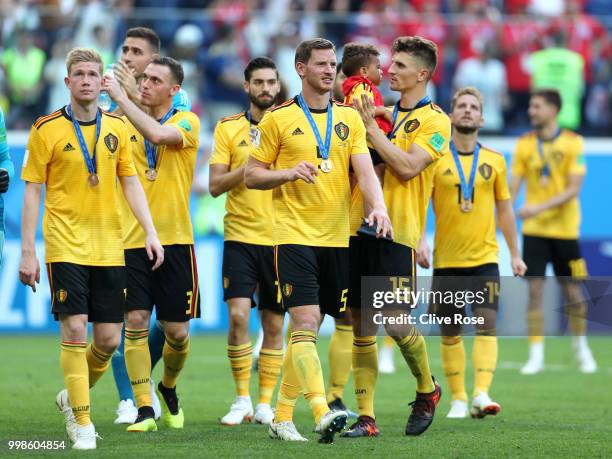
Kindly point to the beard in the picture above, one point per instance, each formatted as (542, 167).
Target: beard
(466, 129)
(262, 104)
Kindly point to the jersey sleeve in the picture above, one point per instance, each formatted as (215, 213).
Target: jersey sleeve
(577, 160)
(269, 140)
(518, 168)
(359, 144)
(502, 191)
(188, 124)
(125, 161)
(434, 136)
(37, 157)
(221, 151)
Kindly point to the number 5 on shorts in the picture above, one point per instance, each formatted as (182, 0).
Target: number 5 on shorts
(343, 299)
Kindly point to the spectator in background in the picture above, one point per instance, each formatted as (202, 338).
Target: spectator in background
(488, 75)
(23, 65)
(54, 72)
(185, 48)
(562, 69)
(584, 35)
(102, 41)
(520, 37)
(477, 27)
(598, 108)
(547, 8)
(429, 23)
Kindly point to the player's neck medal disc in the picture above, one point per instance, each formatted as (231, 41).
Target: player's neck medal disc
(151, 174)
(326, 165)
(93, 179)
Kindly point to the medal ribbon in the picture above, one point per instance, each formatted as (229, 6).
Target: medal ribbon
(424, 101)
(545, 172)
(323, 147)
(90, 161)
(150, 149)
(466, 188)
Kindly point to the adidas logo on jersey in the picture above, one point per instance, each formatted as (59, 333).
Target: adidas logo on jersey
(133, 138)
(297, 131)
(243, 143)
(448, 172)
(69, 147)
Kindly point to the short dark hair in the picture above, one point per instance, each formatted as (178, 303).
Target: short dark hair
(257, 63)
(304, 49)
(551, 96)
(357, 55)
(421, 48)
(175, 67)
(149, 35)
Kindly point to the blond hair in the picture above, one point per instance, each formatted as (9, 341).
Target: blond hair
(77, 55)
(467, 91)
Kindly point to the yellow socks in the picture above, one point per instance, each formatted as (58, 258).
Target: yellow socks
(241, 361)
(414, 350)
(340, 356)
(452, 353)
(576, 318)
(97, 363)
(174, 354)
(270, 361)
(308, 369)
(484, 360)
(289, 390)
(73, 362)
(138, 364)
(365, 373)
(535, 325)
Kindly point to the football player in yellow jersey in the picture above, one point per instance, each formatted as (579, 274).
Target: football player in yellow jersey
(165, 144)
(78, 153)
(469, 185)
(420, 136)
(311, 141)
(248, 255)
(551, 162)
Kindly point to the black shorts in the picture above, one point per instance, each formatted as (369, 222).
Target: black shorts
(245, 266)
(482, 281)
(172, 288)
(98, 291)
(564, 254)
(374, 257)
(313, 275)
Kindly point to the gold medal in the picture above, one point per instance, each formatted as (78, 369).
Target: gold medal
(93, 179)
(466, 206)
(151, 174)
(326, 165)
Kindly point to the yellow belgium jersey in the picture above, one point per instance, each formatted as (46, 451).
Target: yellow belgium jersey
(168, 194)
(311, 214)
(81, 223)
(249, 213)
(466, 239)
(407, 201)
(564, 156)
(357, 204)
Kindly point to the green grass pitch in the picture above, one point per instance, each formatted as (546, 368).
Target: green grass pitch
(557, 413)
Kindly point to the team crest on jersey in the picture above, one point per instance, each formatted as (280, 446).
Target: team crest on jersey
(61, 295)
(342, 130)
(485, 170)
(411, 126)
(557, 156)
(287, 290)
(111, 142)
